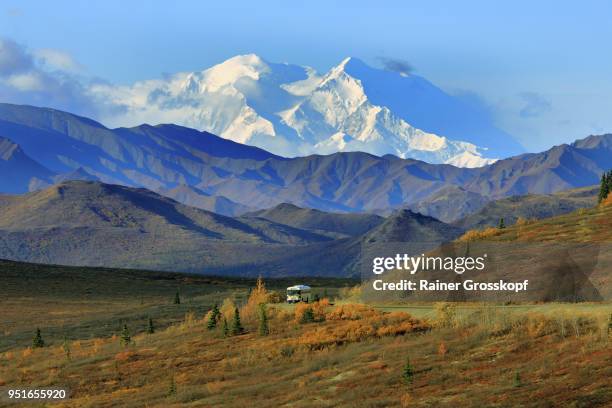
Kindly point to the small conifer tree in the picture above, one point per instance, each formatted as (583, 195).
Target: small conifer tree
(37, 341)
(125, 336)
(605, 186)
(172, 386)
(517, 379)
(316, 298)
(214, 317)
(407, 372)
(66, 347)
(308, 316)
(502, 223)
(225, 328)
(177, 298)
(264, 329)
(237, 328)
(150, 327)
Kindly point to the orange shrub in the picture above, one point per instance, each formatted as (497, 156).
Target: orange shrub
(344, 330)
(299, 311)
(126, 356)
(607, 200)
(320, 309)
(352, 312)
(442, 350)
(476, 235)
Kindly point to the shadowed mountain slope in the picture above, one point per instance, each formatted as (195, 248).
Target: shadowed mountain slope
(194, 197)
(18, 172)
(306, 218)
(531, 206)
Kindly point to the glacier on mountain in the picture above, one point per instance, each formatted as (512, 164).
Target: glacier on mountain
(292, 111)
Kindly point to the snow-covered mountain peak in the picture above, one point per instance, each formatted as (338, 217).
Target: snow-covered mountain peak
(292, 110)
(227, 73)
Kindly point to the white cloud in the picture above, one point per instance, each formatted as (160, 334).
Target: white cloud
(26, 82)
(57, 59)
(43, 78)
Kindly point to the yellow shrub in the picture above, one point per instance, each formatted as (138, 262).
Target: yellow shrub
(227, 308)
(525, 221)
(274, 313)
(477, 235)
(351, 312)
(259, 295)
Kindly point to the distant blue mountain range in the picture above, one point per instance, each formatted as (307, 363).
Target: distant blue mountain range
(42, 146)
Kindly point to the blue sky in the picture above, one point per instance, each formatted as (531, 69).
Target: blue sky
(543, 69)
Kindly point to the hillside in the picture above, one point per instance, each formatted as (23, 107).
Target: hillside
(531, 206)
(194, 197)
(408, 226)
(164, 156)
(95, 224)
(18, 172)
(89, 223)
(570, 253)
(450, 203)
(585, 225)
(331, 223)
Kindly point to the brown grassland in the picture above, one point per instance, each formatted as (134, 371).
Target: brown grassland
(336, 352)
(346, 354)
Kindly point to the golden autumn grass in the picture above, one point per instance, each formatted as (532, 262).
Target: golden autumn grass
(591, 225)
(351, 356)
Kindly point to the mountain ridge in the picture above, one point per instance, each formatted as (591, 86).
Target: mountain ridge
(294, 111)
(167, 156)
(89, 223)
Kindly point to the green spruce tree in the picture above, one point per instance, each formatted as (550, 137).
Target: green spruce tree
(225, 328)
(407, 372)
(66, 347)
(308, 316)
(172, 386)
(214, 317)
(125, 337)
(517, 379)
(150, 327)
(37, 341)
(502, 224)
(264, 329)
(237, 328)
(177, 298)
(605, 186)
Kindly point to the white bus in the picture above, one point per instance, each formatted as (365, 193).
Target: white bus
(298, 293)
